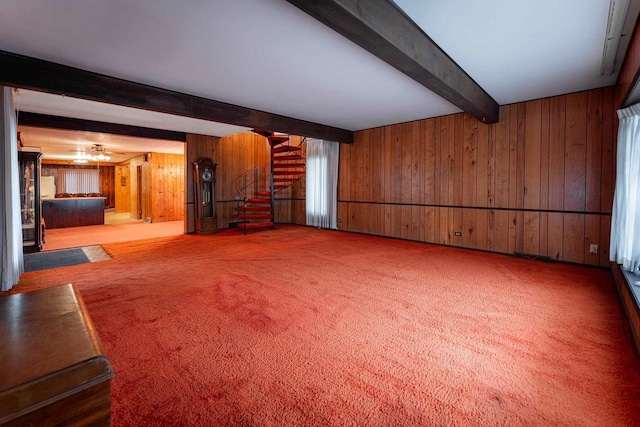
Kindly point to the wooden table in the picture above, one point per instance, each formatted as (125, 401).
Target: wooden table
(53, 370)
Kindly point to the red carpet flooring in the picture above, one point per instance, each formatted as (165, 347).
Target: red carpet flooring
(300, 326)
(74, 237)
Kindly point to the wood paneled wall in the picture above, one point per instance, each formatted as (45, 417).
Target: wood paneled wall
(50, 168)
(163, 187)
(539, 182)
(166, 175)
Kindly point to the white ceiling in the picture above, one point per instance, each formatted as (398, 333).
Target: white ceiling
(269, 55)
(67, 145)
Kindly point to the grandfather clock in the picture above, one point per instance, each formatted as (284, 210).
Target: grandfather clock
(204, 174)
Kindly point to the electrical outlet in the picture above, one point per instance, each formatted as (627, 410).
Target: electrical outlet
(593, 249)
(458, 233)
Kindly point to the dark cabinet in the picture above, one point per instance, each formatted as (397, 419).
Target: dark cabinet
(30, 205)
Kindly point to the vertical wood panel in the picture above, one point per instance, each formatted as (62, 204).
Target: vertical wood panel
(406, 142)
(557, 129)
(532, 164)
(591, 236)
(501, 130)
(575, 152)
(501, 231)
(520, 171)
(555, 238)
(376, 164)
(544, 175)
(431, 154)
(417, 165)
(513, 181)
(546, 167)
(607, 152)
(573, 241)
(593, 170)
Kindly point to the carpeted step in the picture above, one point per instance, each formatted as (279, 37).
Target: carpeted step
(263, 193)
(255, 216)
(259, 201)
(285, 148)
(278, 139)
(288, 172)
(287, 157)
(288, 165)
(254, 209)
(253, 225)
(289, 180)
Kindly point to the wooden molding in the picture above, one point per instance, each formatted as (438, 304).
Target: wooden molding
(384, 30)
(36, 74)
(67, 123)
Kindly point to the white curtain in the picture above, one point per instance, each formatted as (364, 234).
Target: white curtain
(10, 224)
(78, 181)
(625, 219)
(322, 183)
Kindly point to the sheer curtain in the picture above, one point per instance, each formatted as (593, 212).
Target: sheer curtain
(79, 180)
(322, 183)
(10, 224)
(625, 218)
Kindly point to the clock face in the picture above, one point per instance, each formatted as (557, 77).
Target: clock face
(206, 174)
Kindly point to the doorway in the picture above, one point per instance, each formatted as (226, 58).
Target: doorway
(138, 210)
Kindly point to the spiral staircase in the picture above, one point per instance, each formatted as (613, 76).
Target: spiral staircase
(256, 188)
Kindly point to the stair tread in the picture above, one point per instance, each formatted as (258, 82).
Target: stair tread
(254, 209)
(288, 165)
(260, 201)
(277, 139)
(288, 172)
(263, 193)
(288, 157)
(255, 216)
(248, 225)
(285, 148)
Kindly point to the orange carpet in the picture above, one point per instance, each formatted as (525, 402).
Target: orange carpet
(299, 326)
(74, 237)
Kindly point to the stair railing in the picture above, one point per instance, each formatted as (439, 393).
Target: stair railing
(249, 183)
(252, 181)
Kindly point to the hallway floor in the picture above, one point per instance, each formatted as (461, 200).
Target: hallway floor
(117, 228)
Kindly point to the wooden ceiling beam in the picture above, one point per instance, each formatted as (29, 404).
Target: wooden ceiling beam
(56, 122)
(384, 30)
(44, 76)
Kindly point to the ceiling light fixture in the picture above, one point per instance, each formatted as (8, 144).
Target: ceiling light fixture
(99, 153)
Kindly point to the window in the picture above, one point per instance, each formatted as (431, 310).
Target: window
(625, 218)
(322, 183)
(76, 181)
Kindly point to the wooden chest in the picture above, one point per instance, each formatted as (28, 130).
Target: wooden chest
(53, 368)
